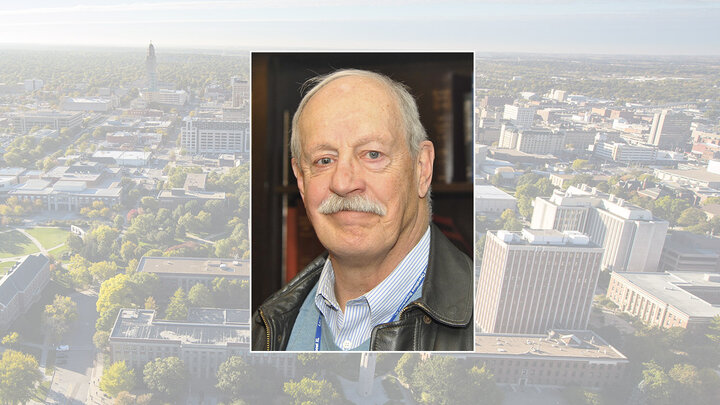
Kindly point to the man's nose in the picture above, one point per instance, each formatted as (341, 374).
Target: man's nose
(346, 178)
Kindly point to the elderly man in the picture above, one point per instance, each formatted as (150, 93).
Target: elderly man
(390, 280)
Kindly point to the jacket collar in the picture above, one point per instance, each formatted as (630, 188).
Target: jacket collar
(447, 290)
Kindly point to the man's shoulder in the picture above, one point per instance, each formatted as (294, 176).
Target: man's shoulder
(274, 318)
(293, 294)
(443, 251)
(448, 289)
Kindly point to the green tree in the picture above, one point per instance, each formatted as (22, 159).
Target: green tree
(19, 374)
(150, 303)
(59, 315)
(116, 378)
(74, 243)
(581, 164)
(669, 208)
(79, 271)
(311, 391)
(115, 293)
(178, 307)
(434, 381)
(581, 178)
(149, 203)
(128, 250)
(233, 376)
(692, 216)
(406, 366)
(230, 293)
(102, 271)
(200, 296)
(101, 340)
(714, 331)
(509, 221)
(656, 384)
(166, 375)
(481, 384)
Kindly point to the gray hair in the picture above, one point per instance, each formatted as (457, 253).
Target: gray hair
(414, 132)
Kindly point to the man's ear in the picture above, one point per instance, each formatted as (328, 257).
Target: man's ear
(297, 170)
(425, 160)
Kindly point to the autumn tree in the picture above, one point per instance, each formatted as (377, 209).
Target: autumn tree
(311, 391)
(116, 378)
(10, 340)
(19, 374)
(59, 315)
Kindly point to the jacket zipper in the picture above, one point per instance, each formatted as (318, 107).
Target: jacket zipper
(267, 330)
(416, 304)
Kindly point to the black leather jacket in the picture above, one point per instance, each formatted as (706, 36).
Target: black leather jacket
(440, 320)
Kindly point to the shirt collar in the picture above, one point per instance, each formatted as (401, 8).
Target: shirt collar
(387, 296)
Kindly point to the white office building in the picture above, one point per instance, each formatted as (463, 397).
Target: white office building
(199, 135)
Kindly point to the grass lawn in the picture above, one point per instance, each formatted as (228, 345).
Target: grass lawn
(49, 237)
(5, 266)
(57, 252)
(14, 243)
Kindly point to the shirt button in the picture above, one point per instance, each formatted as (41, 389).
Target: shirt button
(426, 319)
(346, 345)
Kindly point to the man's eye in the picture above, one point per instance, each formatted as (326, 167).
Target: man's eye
(373, 154)
(324, 161)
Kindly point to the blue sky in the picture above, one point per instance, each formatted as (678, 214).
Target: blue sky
(547, 26)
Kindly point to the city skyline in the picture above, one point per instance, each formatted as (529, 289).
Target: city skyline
(612, 27)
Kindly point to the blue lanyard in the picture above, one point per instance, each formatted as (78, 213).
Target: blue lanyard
(418, 283)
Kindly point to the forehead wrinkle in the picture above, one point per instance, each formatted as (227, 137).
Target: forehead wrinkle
(359, 96)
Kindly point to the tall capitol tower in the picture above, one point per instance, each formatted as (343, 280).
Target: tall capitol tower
(150, 66)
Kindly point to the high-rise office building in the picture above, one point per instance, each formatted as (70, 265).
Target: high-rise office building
(563, 211)
(151, 68)
(670, 130)
(521, 117)
(214, 136)
(631, 236)
(240, 91)
(535, 141)
(536, 281)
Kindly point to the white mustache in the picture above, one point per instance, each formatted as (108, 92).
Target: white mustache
(335, 203)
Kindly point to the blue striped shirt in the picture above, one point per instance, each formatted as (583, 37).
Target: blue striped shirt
(377, 306)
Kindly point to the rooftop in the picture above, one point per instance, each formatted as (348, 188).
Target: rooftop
(679, 290)
(198, 266)
(546, 237)
(695, 174)
(140, 324)
(488, 191)
(685, 242)
(20, 277)
(205, 195)
(558, 344)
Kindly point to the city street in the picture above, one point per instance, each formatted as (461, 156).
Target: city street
(76, 370)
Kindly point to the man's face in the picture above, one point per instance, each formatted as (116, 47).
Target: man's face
(353, 146)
